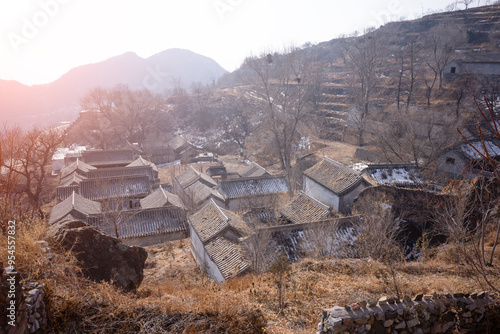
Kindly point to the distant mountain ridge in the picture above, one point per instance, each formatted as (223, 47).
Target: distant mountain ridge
(59, 100)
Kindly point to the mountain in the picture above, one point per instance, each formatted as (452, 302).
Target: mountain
(59, 100)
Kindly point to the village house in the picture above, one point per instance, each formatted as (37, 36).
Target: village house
(108, 158)
(244, 193)
(195, 188)
(253, 170)
(333, 184)
(398, 175)
(465, 161)
(159, 154)
(475, 63)
(74, 207)
(215, 234)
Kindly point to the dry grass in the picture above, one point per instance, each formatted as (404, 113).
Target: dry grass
(175, 297)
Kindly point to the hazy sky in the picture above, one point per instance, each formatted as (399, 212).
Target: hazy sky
(40, 40)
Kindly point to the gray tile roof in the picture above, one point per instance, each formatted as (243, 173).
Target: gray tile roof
(122, 171)
(159, 198)
(198, 192)
(211, 220)
(191, 175)
(305, 209)
(178, 144)
(334, 176)
(211, 223)
(142, 222)
(141, 162)
(76, 206)
(258, 186)
(108, 157)
(72, 179)
(253, 170)
(77, 166)
(227, 256)
(113, 187)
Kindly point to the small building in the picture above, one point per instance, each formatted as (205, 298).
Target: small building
(62, 155)
(465, 161)
(476, 63)
(398, 175)
(78, 167)
(194, 188)
(108, 158)
(160, 154)
(242, 194)
(161, 198)
(253, 170)
(74, 207)
(333, 184)
(304, 209)
(179, 145)
(215, 235)
(143, 227)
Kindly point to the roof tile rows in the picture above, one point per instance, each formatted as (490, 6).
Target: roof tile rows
(159, 198)
(253, 170)
(395, 174)
(75, 206)
(305, 209)
(211, 224)
(245, 187)
(142, 222)
(336, 177)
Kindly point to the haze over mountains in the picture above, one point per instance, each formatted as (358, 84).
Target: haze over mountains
(59, 100)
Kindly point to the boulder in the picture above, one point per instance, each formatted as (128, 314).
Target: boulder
(101, 257)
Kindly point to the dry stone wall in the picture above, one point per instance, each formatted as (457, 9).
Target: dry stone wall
(438, 313)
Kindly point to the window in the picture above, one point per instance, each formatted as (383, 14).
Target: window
(453, 70)
(450, 161)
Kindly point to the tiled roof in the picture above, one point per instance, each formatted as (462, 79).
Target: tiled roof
(122, 171)
(245, 187)
(470, 151)
(160, 198)
(334, 176)
(178, 144)
(198, 192)
(395, 174)
(211, 220)
(77, 166)
(305, 209)
(75, 205)
(253, 170)
(72, 179)
(191, 175)
(227, 256)
(142, 222)
(140, 162)
(108, 157)
(124, 186)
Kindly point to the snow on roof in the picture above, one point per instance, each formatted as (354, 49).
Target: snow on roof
(474, 150)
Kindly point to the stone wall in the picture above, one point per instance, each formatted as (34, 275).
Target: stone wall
(438, 313)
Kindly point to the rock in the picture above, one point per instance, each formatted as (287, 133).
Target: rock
(406, 299)
(482, 295)
(427, 297)
(418, 297)
(363, 303)
(348, 322)
(355, 306)
(382, 301)
(412, 323)
(372, 303)
(400, 325)
(102, 258)
(388, 323)
(334, 322)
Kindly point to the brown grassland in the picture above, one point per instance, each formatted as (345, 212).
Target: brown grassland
(176, 297)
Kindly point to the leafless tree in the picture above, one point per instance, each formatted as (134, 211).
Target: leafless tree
(467, 3)
(123, 115)
(26, 158)
(417, 137)
(363, 54)
(440, 44)
(258, 248)
(281, 84)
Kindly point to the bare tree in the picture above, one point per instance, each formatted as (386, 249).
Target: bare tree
(27, 157)
(281, 85)
(467, 3)
(440, 43)
(363, 55)
(416, 137)
(258, 248)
